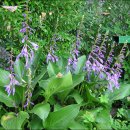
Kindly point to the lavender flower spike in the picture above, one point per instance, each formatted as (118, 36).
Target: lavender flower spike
(24, 53)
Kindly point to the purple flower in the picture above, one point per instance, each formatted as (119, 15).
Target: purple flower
(23, 30)
(76, 52)
(112, 80)
(108, 70)
(24, 53)
(28, 102)
(24, 15)
(70, 61)
(51, 56)
(75, 63)
(88, 65)
(101, 75)
(35, 46)
(56, 58)
(10, 88)
(25, 39)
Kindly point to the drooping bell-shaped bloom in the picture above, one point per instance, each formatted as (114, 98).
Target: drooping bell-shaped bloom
(10, 88)
(35, 46)
(23, 30)
(25, 39)
(76, 52)
(24, 53)
(70, 61)
(75, 60)
(51, 57)
(28, 102)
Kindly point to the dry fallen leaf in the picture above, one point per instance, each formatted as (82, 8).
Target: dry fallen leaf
(10, 8)
(105, 13)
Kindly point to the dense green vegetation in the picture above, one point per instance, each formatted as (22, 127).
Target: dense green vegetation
(61, 67)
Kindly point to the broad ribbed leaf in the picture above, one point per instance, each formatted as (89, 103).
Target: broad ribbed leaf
(103, 121)
(61, 118)
(35, 61)
(19, 70)
(36, 123)
(62, 63)
(41, 110)
(76, 126)
(58, 85)
(80, 64)
(52, 69)
(77, 79)
(4, 77)
(11, 121)
(7, 100)
(44, 83)
(78, 98)
(120, 93)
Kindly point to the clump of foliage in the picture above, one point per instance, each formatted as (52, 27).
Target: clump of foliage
(70, 89)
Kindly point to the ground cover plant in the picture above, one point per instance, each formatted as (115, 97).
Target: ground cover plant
(60, 67)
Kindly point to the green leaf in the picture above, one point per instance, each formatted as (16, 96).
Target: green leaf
(62, 63)
(35, 60)
(7, 100)
(58, 85)
(1, 128)
(41, 110)
(77, 79)
(36, 123)
(44, 83)
(35, 81)
(103, 120)
(19, 70)
(80, 64)
(61, 118)
(14, 121)
(76, 126)
(19, 95)
(77, 97)
(90, 115)
(52, 69)
(120, 93)
(4, 77)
